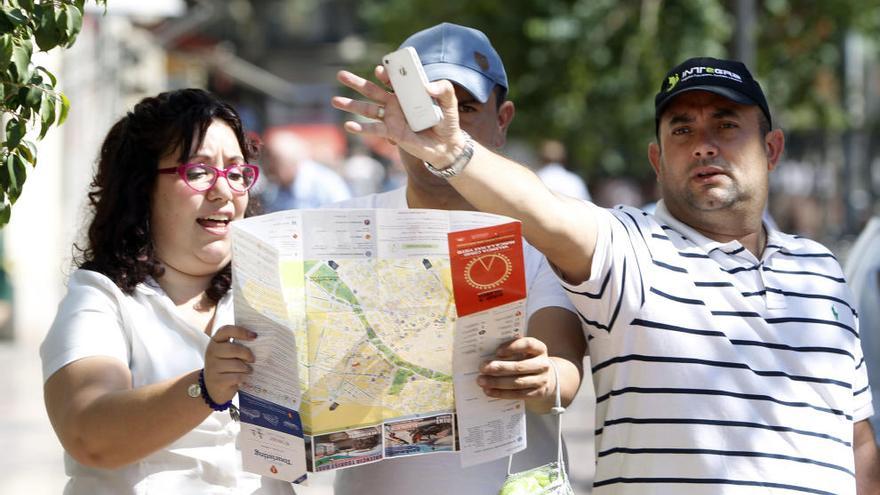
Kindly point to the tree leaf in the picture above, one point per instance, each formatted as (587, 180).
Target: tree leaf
(12, 184)
(29, 151)
(15, 16)
(5, 51)
(48, 74)
(47, 32)
(15, 130)
(65, 108)
(34, 97)
(74, 23)
(21, 60)
(4, 174)
(17, 170)
(47, 113)
(6, 26)
(5, 212)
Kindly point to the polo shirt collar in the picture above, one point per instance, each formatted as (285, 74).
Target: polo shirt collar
(776, 240)
(705, 243)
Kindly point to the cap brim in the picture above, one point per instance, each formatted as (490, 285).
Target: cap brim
(728, 93)
(475, 83)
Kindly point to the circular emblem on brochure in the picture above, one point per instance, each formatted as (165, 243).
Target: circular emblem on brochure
(488, 271)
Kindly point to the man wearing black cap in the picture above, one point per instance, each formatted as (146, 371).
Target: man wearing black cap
(726, 355)
(466, 57)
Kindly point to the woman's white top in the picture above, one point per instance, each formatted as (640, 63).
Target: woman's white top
(143, 331)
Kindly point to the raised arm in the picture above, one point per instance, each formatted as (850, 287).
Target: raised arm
(103, 422)
(562, 228)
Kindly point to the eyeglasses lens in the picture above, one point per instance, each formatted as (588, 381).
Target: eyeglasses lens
(240, 178)
(202, 177)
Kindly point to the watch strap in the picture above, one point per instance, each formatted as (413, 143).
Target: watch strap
(460, 161)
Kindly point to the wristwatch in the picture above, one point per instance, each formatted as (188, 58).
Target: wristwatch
(198, 389)
(459, 163)
(194, 390)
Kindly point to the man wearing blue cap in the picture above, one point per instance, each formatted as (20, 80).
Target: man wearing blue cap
(465, 57)
(726, 354)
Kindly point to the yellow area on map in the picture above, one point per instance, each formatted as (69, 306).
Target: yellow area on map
(264, 300)
(379, 342)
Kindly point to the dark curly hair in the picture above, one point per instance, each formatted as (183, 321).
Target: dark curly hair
(120, 242)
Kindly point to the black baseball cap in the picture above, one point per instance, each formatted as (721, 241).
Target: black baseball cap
(728, 78)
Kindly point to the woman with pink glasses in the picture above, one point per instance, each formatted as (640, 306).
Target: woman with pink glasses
(141, 363)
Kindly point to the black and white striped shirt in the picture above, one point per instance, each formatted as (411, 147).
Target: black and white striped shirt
(717, 372)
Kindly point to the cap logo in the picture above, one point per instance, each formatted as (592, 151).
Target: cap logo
(481, 60)
(710, 71)
(671, 81)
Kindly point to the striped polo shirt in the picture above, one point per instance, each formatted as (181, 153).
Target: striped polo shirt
(717, 372)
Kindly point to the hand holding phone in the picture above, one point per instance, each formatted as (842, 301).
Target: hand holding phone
(408, 79)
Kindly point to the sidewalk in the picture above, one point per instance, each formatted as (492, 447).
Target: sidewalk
(33, 464)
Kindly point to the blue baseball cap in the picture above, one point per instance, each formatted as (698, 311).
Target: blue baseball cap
(462, 55)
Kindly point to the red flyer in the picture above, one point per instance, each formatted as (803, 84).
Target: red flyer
(487, 267)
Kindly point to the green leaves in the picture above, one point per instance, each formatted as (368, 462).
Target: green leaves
(5, 51)
(15, 130)
(47, 34)
(65, 108)
(73, 22)
(47, 113)
(21, 60)
(28, 94)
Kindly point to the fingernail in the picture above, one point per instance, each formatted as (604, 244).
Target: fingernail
(481, 381)
(252, 334)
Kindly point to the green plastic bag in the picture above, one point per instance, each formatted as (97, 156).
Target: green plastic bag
(549, 479)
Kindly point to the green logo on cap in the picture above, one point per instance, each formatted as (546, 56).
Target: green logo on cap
(671, 81)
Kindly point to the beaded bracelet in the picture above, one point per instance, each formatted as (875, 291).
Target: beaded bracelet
(208, 400)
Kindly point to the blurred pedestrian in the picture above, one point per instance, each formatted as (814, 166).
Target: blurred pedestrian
(363, 173)
(295, 180)
(863, 274)
(554, 172)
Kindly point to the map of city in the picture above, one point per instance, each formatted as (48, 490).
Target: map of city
(379, 336)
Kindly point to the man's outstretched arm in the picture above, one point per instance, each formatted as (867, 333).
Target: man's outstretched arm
(562, 228)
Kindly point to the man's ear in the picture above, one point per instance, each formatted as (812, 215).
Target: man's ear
(654, 158)
(774, 144)
(505, 117)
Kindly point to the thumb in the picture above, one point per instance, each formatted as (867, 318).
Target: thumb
(444, 93)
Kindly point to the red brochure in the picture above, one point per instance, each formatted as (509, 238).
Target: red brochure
(487, 267)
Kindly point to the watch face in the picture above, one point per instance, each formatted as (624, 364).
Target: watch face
(194, 390)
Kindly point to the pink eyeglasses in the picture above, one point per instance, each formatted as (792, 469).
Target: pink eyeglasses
(201, 177)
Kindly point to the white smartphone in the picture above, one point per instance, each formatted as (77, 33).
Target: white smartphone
(408, 80)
